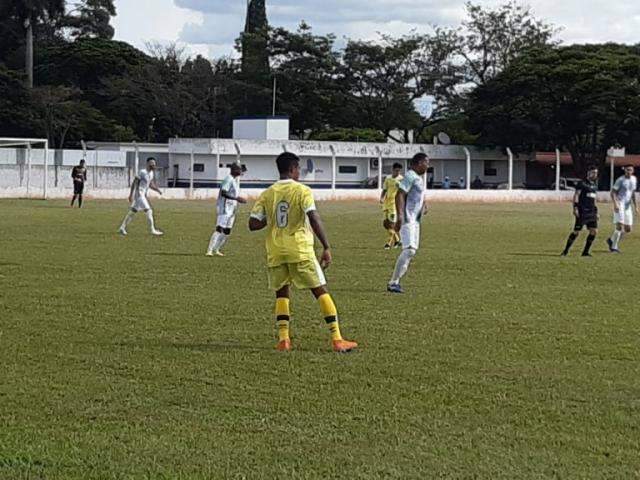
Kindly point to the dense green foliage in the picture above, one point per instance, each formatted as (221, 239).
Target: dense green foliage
(163, 93)
(582, 98)
(140, 358)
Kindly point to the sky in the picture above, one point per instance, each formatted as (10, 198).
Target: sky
(209, 27)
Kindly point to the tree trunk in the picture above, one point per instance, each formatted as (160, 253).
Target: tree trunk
(29, 53)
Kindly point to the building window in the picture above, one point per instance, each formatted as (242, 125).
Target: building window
(490, 169)
(198, 167)
(348, 169)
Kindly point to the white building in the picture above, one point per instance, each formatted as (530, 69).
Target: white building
(341, 165)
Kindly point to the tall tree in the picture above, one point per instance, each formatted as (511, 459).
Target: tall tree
(582, 98)
(254, 43)
(30, 18)
(91, 19)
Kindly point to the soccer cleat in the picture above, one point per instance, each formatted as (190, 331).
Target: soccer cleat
(615, 250)
(122, 232)
(398, 245)
(394, 288)
(344, 346)
(209, 253)
(284, 346)
(218, 253)
(564, 254)
(587, 255)
(157, 233)
(387, 246)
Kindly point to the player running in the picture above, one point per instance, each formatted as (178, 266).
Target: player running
(79, 176)
(144, 182)
(388, 201)
(288, 211)
(586, 212)
(625, 206)
(410, 207)
(228, 200)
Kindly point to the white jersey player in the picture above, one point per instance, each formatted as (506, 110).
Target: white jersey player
(144, 181)
(226, 208)
(625, 207)
(410, 207)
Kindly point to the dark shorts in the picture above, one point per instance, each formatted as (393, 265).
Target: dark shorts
(591, 222)
(78, 188)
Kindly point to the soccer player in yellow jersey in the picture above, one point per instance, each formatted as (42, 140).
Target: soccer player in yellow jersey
(288, 211)
(388, 201)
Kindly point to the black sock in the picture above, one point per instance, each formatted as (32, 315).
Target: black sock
(80, 201)
(570, 240)
(587, 246)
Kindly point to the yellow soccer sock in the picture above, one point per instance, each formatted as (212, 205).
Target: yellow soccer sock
(330, 313)
(283, 318)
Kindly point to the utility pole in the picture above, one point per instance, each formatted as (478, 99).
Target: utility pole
(29, 52)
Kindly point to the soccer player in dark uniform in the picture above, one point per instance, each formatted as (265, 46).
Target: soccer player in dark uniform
(79, 175)
(585, 211)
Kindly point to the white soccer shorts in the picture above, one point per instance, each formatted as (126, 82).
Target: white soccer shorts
(410, 235)
(225, 221)
(625, 217)
(140, 203)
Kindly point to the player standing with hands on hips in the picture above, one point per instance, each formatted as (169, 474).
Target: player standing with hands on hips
(585, 211)
(623, 196)
(410, 207)
(140, 187)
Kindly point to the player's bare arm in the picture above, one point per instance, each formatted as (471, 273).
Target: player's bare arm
(134, 185)
(228, 196)
(318, 229)
(576, 200)
(255, 224)
(155, 188)
(383, 195)
(614, 198)
(401, 199)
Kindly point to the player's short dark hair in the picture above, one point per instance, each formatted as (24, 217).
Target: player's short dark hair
(286, 161)
(629, 165)
(418, 157)
(83, 161)
(151, 158)
(236, 166)
(592, 167)
(397, 165)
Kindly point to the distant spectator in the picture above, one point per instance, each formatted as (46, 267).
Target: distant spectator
(430, 181)
(461, 183)
(446, 184)
(477, 183)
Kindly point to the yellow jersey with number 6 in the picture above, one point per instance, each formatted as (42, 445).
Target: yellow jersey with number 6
(284, 205)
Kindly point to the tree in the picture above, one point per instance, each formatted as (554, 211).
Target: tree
(16, 109)
(91, 19)
(28, 16)
(378, 79)
(305, 66)
(256, 75)
(582, 98)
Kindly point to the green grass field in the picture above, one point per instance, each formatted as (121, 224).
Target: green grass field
(137, 357)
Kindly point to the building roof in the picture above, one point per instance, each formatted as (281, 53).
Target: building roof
(273, 148)
(549, 158)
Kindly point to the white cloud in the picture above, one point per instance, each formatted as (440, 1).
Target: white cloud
(211, 26)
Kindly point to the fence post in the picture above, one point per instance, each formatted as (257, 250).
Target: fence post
(379, 170)
(192, 156)
(468, 157)
(46, 169)
(28, 169)
(557, 169)
(333, 169)
(510, 153)
(613, 171)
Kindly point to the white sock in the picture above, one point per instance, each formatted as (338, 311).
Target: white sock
(213, 241)
(149, 214)
(402, 265)
(615, 238)
(127, 219)
(222, 239)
